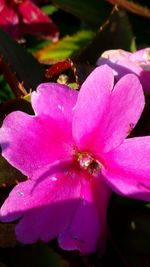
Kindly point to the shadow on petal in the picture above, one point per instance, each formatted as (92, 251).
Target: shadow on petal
(62, 220)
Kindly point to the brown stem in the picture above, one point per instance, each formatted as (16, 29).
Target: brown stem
(132, 7)
(16, 86)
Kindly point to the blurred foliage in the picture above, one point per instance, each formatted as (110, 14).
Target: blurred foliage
(8, 175)
(5, 90)
(18, 66)
(115, 33)
(87, 28)
(49, 9)
(95, 12)
(135, 8)
(65, 48)
(129, 232)
(36, 256)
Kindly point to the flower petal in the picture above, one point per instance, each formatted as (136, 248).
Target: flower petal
(119, 61)
(83, 236)
(123, 62)
(122, 67)
(9, 20)
(91, 104)
(46, 222)
(58, 203)
(46, 205)
(141, 55)
(125, 108)
(30, 142)
(128, 168)
(36, 22)
(54, 100)
(104, 117)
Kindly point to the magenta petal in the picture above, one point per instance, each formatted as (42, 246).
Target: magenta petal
(88, 229)
(45, 223)
(54, 100)
(128, 168)
(125, 108)
(102, 193)
(91, 104)
(54, 183)
(46, 205)
(104, 117)
(22, 193)
(83, 232)
(29, 142)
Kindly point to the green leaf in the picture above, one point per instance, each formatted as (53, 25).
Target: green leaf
(5, 91)
(34, 45)
(67, 47)
(49, 9)
(73, 86)
(26, 68)
(94, 12)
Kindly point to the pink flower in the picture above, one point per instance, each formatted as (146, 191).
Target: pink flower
(123, 62)
(75, 153)
(23, 16)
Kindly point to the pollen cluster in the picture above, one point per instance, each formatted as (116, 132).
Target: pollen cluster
(88, 162)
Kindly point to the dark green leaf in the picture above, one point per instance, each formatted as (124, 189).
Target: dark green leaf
(5, 91)
(129, 222)
(49, 9)
(116, 33)
(26, 68)
(94, 12)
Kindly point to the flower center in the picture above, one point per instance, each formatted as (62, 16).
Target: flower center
(88, 162)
